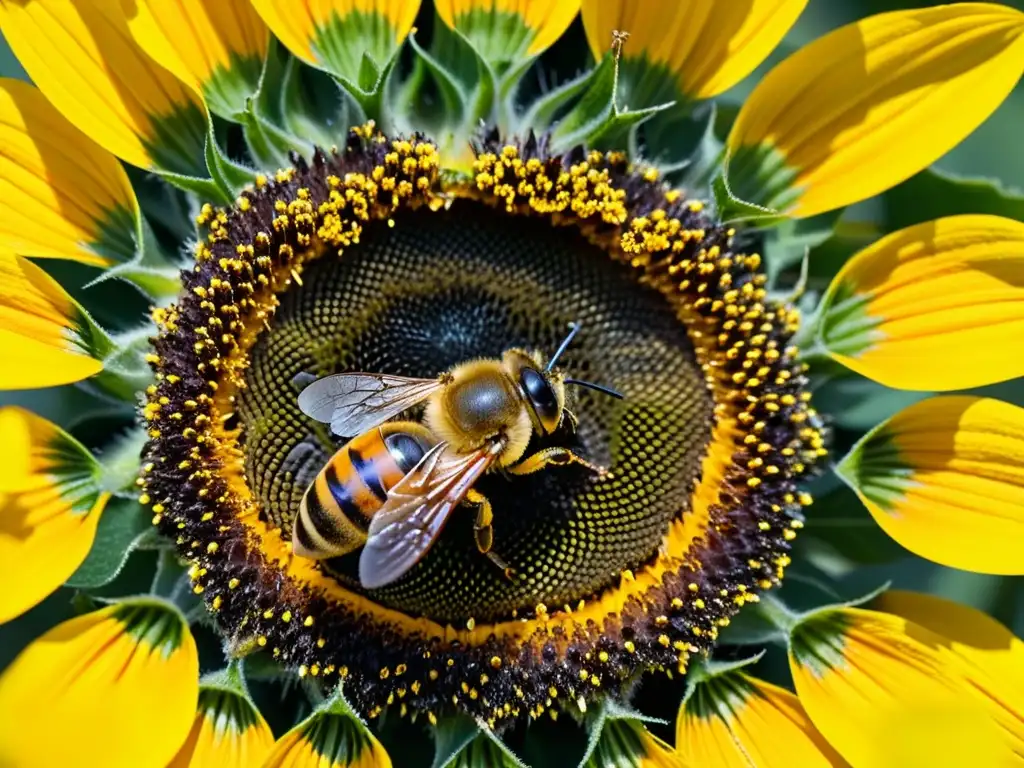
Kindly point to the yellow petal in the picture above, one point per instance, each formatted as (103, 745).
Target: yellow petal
(945, 478)
(937, 306)
(863, 676)
(736, 721)
(42, 330)
(987, 646)
(116, 687)
(61, 196)
(335, 34)
(329, 738)
(539, 23)
(82, 57)
(708, 47)
(217, 46)
(50, 504)
(870, 104)
(228, 732)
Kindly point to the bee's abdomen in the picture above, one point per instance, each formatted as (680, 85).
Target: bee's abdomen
(338, 505)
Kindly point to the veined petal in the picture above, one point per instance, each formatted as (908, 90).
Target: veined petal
(870, 104)
(336, 34)
(503, 30)
(228, 732)
(332, 737)
(936, 306)
(45, 336)
(50, 504)
(61, 195)
(626, 743)
(735, 721)
(863, 676)
(994, 655)
(217, 46)
(116, 687)
(707, 47)
(84, 60)
(945, 478)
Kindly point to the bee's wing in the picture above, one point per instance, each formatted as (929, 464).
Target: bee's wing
(405, 528)
(354, 402)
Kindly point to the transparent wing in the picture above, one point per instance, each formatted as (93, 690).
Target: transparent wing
(354, 402)
(417, 508)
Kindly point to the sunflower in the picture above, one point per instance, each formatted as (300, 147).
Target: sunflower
(208, 204)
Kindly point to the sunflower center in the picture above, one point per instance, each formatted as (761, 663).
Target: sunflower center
(441, 288)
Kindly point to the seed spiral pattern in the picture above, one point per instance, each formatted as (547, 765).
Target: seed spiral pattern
(731, 542)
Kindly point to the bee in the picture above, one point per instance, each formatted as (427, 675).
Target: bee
(402, 480)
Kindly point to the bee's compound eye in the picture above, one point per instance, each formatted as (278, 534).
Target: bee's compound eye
(405, 449)
(541, 396)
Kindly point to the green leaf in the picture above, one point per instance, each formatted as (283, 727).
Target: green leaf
(932, 194)
(852, 401)
(839, 524)
(122, 526)
(791, 239)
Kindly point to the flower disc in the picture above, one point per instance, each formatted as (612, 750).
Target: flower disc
(616, 574)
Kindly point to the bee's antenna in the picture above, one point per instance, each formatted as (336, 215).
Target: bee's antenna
(574, 328)
(590, 385)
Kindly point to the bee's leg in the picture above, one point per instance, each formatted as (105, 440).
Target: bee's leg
(483, 531)
(570, 417)
(557, 457)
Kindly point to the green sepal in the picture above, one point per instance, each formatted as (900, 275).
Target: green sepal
(123, 525)
(125, 372)
(230, 176)
(612, 739)
(717, 688)
(682, 143)
(452, 735)
(206, 189)
(463, 63)
(229, 679)
(485, 749)
(545, 111)
(315, 107)
(152, 620)
(596, 114)
(268, 144)
(335, 731)
(230, 88)
(790, 241)
(371, 98)
(757, 178)
(616, 130)
(149, 269)
(733, 210)
(452, 115)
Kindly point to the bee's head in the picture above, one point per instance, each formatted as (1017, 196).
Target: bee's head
(543, 390)
(544, 385)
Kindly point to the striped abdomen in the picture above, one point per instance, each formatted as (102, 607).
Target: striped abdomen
(353, 486)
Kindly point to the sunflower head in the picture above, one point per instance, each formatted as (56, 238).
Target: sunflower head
(377, 195)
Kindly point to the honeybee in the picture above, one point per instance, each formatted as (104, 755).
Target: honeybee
(403, 479)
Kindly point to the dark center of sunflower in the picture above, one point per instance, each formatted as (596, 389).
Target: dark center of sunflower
(442, 288)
